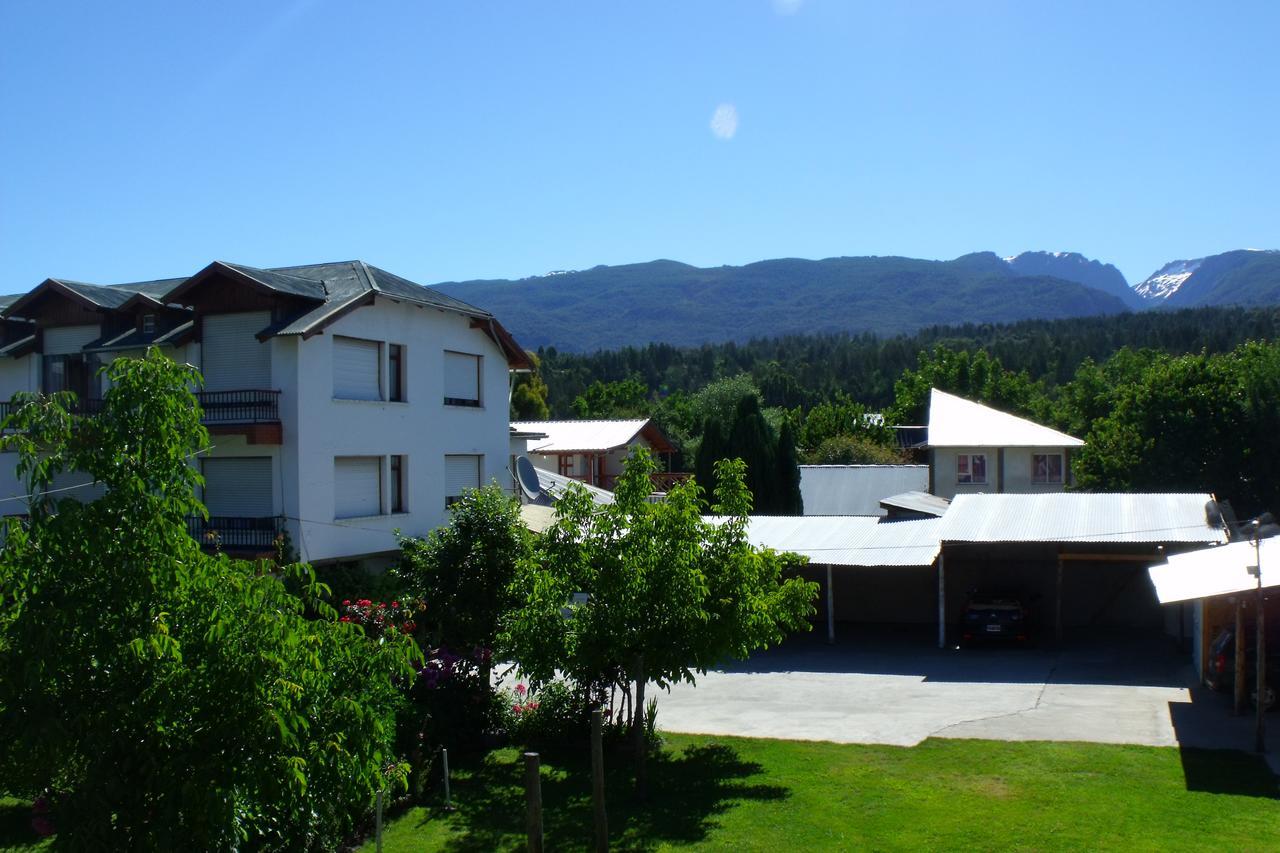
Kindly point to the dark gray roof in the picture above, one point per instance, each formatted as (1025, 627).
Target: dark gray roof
(338, 286)
(283, 282)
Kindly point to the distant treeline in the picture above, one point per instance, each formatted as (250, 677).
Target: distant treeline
(805, 371)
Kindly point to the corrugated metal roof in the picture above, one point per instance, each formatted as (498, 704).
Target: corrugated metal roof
(957, 422)
(921, 502)
(554, 485)
(856, 489)
(1216, 571)
(1066, 517)
(848, 540)
(581, 436)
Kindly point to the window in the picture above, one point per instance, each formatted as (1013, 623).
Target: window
(357, 486)
(971, 468)
(395, 373)
(148, 324)
(357, 369)
(564, 463)
(238, 487)
(461, 379)
(1046, 467)
(461, 472)
(397, 484)
(64, 366)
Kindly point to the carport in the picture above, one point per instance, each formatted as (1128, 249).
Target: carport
(871, 569)
(1077, 559)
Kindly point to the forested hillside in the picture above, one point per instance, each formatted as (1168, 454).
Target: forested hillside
(611, 306)
(803, 370)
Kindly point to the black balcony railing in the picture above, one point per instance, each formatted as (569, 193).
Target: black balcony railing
(240, 407)
(236, 533)
(218, 407)
(79, 407)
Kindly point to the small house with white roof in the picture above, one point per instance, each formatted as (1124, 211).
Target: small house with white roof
(977, 449)
(592, 452)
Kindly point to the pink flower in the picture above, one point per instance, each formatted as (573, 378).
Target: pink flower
(516, 708)
(521, 689)
(532, 706)
(346, 602)
(395, 604)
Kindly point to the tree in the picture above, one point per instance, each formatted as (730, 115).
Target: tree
(852, 450)
(772, 475)
(168, 698)
(669, 594)
(628, 398)
(464, 570)
(975, 376)
(529, 394)
(787, 477)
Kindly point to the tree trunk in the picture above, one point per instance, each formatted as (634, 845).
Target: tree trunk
(638, 730)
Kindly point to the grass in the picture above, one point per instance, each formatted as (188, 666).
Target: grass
(737, 793)
(746, 794)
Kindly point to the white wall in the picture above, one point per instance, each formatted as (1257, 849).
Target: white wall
(317, 427)
(1017, 471)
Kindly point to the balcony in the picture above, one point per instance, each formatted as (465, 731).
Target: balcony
(235, 534)
(239, 407)
(251, 413)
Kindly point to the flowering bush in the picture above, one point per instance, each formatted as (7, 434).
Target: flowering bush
(381, 619)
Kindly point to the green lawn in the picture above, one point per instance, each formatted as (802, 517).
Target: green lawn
(734, 793)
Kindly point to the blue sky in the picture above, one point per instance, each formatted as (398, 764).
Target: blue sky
(452, 140)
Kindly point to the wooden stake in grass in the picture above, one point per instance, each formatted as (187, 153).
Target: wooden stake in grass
(597, 780)
(533, 794)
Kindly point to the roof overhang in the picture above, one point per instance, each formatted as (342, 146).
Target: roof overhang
(517, 359)
(1223, 570)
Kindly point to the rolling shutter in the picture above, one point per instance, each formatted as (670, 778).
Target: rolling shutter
(233, 359)
(238, 487)
(76, 485)
(460, 473)
(356, 370)
(461, 379)
(62, 340)
(357, 486)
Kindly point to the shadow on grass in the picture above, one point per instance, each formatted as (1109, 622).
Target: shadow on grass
(1227, 771)
(687, 791)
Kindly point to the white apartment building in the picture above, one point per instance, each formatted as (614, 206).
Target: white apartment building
(343, 402)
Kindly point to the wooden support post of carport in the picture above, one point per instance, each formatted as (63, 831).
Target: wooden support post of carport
(942, 603)
(831, 610)
(1057, 603)
(1240, 677)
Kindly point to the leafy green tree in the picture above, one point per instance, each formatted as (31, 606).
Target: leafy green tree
(166, 698)
(464, 570)
(669, 594)
(841, 416)
(976, 376)
(852, 450)
(1180, 423)
(628, 398)
(529, 394)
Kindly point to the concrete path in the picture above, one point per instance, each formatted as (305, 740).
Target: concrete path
(895, 690)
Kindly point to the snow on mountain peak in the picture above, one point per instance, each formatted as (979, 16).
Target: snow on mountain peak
(1166, 280)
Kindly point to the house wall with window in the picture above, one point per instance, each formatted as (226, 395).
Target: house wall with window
(1017, 470)
(442, 427)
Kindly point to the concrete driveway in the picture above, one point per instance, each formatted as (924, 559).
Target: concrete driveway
(893, 688)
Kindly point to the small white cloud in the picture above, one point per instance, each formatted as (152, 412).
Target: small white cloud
(787, 7)
(724, 121)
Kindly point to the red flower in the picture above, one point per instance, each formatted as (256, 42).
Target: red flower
(346, 602)
(345, 619)
(395, 604)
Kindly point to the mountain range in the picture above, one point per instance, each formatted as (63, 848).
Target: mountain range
(607, 307)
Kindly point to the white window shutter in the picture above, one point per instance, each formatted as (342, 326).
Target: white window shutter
(64, 340)
(357, 486)
(239, 487)
(231, 356)
(356, 369)
(461, 472)
(461, 378)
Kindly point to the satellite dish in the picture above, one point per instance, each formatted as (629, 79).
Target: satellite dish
(527, 477)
